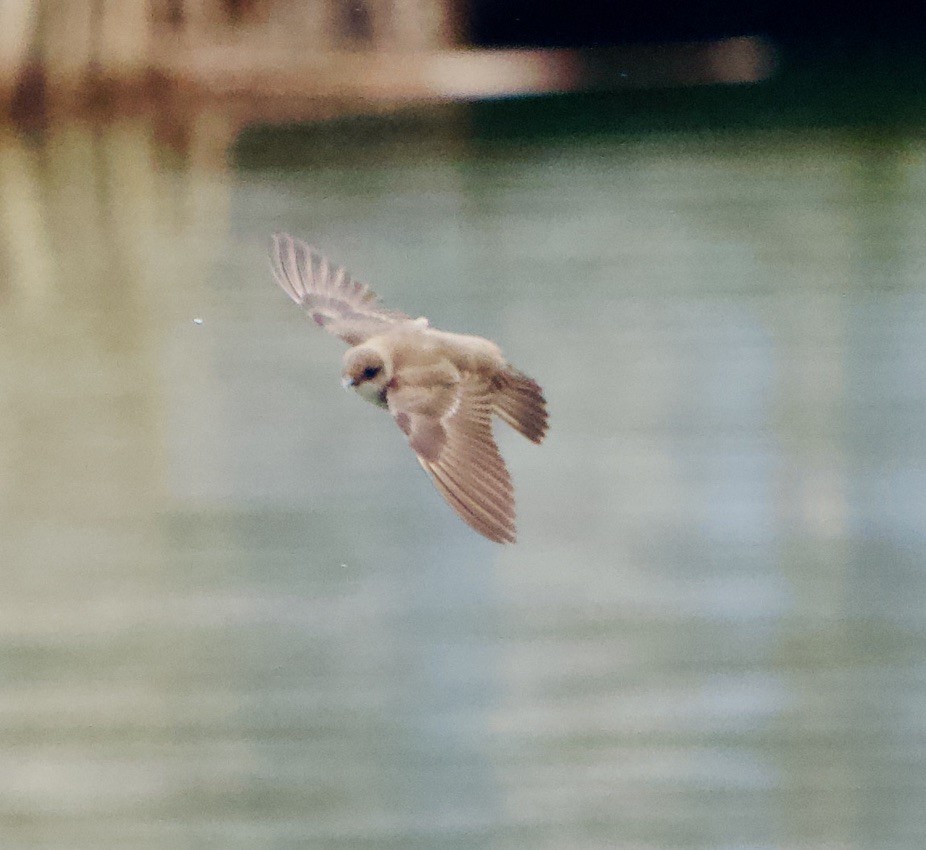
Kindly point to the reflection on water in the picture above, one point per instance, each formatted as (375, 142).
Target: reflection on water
(233, 612)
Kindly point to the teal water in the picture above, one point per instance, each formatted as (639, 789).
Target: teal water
(234, 612)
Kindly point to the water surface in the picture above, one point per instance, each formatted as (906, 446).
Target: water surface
(233, 611)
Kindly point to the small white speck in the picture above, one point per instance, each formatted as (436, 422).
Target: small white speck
(344, 566)
(197, 321)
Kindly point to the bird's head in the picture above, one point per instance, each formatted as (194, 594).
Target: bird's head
(368, 372)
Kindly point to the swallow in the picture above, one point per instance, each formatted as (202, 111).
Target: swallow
(443, 389)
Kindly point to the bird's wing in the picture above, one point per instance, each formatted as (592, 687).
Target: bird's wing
(335, 301)
(450, 430)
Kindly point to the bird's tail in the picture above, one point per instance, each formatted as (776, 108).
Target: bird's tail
(519, 401)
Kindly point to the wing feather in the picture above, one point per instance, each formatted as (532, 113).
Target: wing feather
(468, 469)
(496, 528)
(335, 301)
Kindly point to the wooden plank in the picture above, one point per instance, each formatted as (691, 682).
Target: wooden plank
(273, 70)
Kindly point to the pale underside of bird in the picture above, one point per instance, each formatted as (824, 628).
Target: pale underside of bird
(442, 389)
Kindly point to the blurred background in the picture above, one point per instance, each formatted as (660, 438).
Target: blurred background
(233, 611)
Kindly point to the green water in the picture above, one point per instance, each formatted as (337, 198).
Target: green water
(233, 611)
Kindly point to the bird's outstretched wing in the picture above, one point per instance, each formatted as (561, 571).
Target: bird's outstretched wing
(450, 430)
(335, 301)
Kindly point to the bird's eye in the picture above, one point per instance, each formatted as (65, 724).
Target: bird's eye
(370, 372)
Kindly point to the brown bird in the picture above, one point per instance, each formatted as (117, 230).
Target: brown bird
(441, 388)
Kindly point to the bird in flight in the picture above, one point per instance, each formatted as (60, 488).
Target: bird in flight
(443, 389)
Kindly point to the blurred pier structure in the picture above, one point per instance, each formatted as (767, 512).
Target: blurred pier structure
(280, 56)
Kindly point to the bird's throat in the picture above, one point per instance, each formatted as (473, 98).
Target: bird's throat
(371, 393)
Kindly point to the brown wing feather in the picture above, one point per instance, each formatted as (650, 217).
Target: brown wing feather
(335, 301)
(519, 401)
(466, 466)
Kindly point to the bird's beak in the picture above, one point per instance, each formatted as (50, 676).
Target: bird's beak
(346, 382)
